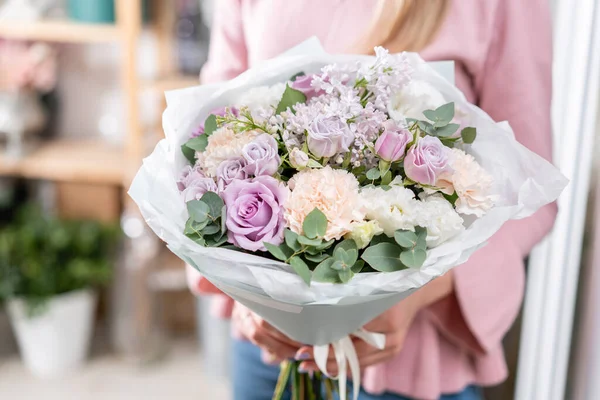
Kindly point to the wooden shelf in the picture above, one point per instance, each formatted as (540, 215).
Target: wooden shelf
(60, 31)
(83, 161)
(164, 84)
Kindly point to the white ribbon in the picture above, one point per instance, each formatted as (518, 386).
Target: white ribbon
(346, 354)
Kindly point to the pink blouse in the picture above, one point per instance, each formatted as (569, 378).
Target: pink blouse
(502, 51)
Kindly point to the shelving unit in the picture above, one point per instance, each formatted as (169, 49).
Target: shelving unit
(60, 31)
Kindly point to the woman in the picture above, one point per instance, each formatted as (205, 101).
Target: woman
(444, 341)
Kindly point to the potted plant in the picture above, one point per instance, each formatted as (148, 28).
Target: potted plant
(49, 270)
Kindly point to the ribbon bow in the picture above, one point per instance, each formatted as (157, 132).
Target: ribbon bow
(345, 354)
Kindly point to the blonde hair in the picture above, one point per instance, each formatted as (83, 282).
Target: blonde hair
(404, 25)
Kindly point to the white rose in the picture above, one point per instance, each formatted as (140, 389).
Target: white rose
(442, 222)
(298, 159)
(413, 99)
(262, 97)
(393, 209)
(472, 183)
(363, 232)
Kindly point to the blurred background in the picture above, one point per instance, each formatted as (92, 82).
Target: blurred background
(99, 307)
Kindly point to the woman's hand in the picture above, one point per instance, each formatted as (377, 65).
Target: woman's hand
(275, 345)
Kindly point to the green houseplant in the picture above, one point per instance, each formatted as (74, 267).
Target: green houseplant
(49, 269)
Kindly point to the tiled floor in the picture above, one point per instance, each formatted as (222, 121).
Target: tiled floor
(178, 377)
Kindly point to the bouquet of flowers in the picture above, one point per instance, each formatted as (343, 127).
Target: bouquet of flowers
(320, 190)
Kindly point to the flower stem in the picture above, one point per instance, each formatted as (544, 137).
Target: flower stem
(284, 376)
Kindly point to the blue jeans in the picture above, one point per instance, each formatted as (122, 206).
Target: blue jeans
(254, 380)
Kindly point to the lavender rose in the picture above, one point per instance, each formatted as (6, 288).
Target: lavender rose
(188, 175)
(328, 136)
(261, 155)
(304, 84)
(391, 145)
(198, 187)
(229, 170)
(426, 160)
(255, 212)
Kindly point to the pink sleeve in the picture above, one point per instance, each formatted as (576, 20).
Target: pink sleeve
(227, 57)
(515, 85)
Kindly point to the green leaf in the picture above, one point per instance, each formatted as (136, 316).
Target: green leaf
(447, 130)
(290, 98)
(373, 174)
(223, 219)
(413, 258)
(338, 265)
(214, 202)
(324, 273)
(210, 125)
(387, 178)
(314, 164)
(406, 239)
(358, 266)
(426, 127)
(384, 257)
(315, 224)
(192, 226)
(382, 238)
(198, 239)
(441, 116)
(189, 154)
(345, 275)
(309, 242)
(430, 115)
(291, 239)
(301, 269)
(346, 251)
(198, 143)
(211, 229)
(421, 237)
(451, 197)
(296, 76)
(317, 258)
(279, 252)
(198, 210)
(325, 245)
(468, 135)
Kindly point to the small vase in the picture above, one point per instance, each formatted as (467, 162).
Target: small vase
(57, 341)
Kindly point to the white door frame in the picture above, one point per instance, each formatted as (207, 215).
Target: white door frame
(554, 264)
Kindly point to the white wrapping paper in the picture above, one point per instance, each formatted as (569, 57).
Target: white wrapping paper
(324, 313)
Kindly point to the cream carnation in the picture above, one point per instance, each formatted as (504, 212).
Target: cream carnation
(472, 183)
(262, 97)
(438, 216)
(363, 232)
(393, 209)
(223, 144)
(413, 99)
(334, 192)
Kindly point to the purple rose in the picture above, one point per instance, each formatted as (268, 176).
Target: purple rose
(391, 145)
(304, 84)
(255, 212)
(328, 136)
(188, 175)
(261, 155)
(426, 160)
(229, 170)
(221, 111)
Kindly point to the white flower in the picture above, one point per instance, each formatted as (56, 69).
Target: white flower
(298, 158)
(262, 97)
(413, 99)
(438, 216)
(223, 144)
(362, 232)
(472, 184)
(393, 209)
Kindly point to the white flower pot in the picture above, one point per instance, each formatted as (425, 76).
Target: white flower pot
(57, 341)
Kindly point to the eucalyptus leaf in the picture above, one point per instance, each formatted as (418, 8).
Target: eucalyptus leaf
(300, 267)
(373, 174)
(211, 229)
(309, 242)
(192, 226)
(189, 154)
(290, 98)
(224, 219)
(325, 245)
(406, 239)
(441, 115)
(324, 273)
(413, 258)
(338, 265)
(382, 238)
(291, 239)
(198, 239)
(281, 252)
(317, 258)
(358, 266)
(198, 210)
(214, 202)
(468, 135)
(346, 251)
(315, 224)
(198, 143)
(345, 275)
(210, 125)
(447, 130)
(384, 257)
(421, 237)
(426, 127)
